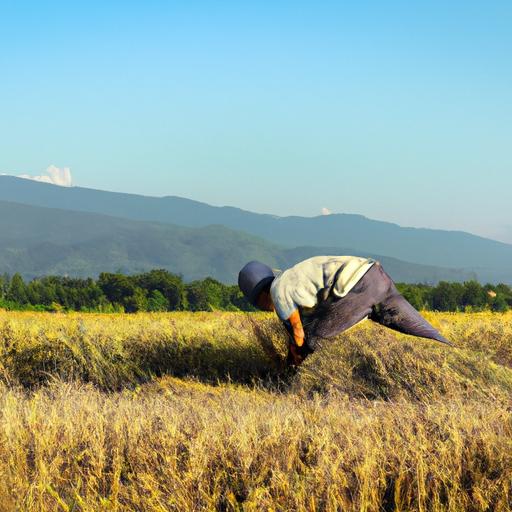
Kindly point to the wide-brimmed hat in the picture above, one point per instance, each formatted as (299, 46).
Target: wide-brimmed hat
(253, 278)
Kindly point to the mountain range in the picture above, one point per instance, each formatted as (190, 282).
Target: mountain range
(78, 231)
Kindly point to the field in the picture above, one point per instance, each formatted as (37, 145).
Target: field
(191, 412)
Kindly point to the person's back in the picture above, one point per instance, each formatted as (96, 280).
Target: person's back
(309, 282)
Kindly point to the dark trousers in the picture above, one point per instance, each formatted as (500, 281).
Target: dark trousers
(375, 296)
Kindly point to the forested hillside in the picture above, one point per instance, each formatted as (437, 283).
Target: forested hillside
(37, 241)
(490, 260)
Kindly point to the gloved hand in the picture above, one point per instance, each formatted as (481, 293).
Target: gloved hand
(298, 349)
(296, 355)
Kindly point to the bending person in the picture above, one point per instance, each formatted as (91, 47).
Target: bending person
(325, 295)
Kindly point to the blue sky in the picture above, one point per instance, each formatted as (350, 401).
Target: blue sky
(400, 111)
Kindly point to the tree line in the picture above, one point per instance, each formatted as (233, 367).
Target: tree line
(154, 291)
(468, 296)
(160, 290)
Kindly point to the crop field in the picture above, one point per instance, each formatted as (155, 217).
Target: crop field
(197, 412)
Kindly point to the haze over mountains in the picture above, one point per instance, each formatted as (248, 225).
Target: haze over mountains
(81, 231)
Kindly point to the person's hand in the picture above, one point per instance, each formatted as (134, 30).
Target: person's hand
(298, 350)
(295, 358)
(296, 355)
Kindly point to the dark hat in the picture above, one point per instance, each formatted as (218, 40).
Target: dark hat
(253, 278)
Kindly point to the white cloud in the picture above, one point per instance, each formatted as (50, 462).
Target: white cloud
(326, 211)
(54, 175)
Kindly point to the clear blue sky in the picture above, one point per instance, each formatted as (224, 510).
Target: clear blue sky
(400, 111)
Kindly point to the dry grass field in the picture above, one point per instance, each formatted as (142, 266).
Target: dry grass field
(196, 412)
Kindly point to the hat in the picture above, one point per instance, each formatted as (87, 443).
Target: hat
(253, 278)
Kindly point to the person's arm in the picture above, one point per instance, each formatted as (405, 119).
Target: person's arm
(298, 331)
(297, 349)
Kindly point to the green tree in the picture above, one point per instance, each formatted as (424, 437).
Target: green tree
(197, 296)
(499, 304)
(505, 291)
(5, 281)
(116, 287)
(17, 291)
(209, 294)
(447, 296)
(170, 285)
(136, 302)
(157, 302)
(473, 295)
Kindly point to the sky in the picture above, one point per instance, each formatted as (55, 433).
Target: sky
(400, 111)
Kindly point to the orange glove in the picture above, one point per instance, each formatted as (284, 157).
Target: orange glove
(298, 331)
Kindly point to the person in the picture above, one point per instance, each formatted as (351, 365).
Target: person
(323, 296)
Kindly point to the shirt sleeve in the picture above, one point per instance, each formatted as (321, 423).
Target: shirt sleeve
(282, 299)
(291, 290)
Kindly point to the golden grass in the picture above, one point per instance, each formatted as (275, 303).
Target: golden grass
(115, 351)
(190, 412)
(376, 363)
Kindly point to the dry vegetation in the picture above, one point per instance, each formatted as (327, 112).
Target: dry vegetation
(190, 412)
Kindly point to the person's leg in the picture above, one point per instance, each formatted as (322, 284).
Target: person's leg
(395, 312)
(376, 297)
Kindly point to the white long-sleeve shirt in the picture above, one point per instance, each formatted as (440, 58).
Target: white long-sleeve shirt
(298, 286)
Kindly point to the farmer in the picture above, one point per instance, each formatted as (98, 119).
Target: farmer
(323, 296)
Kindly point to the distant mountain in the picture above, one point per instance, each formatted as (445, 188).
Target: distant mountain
(489, 259)
(39, 241)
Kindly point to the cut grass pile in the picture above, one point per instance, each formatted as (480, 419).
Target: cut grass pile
(116, 351)
(190, 412)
